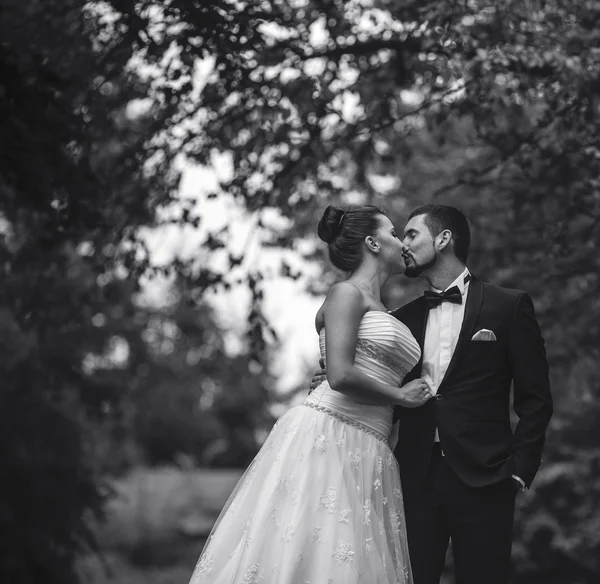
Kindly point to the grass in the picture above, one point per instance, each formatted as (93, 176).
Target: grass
(157, 525)
(115, 569)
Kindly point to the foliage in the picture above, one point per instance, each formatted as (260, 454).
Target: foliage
(79, 175)
(47, 491)
(191, 398)
(74, 185)
(562, 516)
(493, 108)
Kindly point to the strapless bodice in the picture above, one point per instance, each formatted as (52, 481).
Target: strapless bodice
(385, 350)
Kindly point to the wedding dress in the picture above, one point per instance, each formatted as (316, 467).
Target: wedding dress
(322, 501)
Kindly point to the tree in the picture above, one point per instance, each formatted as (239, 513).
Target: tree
(191, 397)
(74, 185)
(494, 108)
(491, 106)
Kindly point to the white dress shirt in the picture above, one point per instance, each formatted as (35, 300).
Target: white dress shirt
(441, 336)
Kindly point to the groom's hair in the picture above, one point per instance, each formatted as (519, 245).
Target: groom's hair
(440, 217)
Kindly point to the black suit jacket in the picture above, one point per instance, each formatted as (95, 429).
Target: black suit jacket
(472, 406)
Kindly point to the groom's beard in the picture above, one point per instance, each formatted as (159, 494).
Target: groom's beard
(414, 270)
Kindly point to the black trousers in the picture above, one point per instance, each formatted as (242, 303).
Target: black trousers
(479, 522)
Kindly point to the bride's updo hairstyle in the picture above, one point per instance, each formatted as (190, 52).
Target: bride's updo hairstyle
(345, 232)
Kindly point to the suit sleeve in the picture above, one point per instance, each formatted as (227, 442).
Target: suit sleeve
(531, 383)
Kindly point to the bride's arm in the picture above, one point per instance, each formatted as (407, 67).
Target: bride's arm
(343, 312)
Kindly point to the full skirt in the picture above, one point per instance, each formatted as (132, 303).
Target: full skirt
(320, 504)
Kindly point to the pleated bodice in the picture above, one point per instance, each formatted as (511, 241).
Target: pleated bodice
(385, 350)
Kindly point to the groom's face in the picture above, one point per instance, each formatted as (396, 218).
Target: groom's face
(419, 253)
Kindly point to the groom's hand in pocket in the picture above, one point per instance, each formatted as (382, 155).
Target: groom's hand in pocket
(319, 377)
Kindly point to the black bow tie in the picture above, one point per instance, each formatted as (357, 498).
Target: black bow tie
(434, 299)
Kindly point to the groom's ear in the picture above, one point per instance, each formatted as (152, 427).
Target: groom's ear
(443, 239)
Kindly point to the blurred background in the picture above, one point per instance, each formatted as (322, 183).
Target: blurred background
(163, 166)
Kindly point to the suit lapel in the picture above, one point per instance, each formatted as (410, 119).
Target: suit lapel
(416, 320)
(472, 308)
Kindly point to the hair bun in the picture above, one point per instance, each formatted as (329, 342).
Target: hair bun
(329, 225)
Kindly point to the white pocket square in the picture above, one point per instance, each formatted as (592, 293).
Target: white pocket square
(484, 335)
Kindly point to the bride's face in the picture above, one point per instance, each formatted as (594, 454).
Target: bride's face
(390, 245)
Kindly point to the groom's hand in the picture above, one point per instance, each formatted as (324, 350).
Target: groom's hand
(319, 377)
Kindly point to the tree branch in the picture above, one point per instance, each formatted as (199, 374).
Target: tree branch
(356, 49)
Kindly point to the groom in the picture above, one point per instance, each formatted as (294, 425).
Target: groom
(460, 462)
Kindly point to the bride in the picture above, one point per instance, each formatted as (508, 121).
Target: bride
(322, 502)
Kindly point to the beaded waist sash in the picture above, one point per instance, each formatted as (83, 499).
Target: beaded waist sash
(347, 420)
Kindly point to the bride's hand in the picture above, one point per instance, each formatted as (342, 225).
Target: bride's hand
(318, 377)
(415, 393)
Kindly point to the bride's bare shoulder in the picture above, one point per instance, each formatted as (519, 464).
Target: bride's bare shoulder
(342, 292)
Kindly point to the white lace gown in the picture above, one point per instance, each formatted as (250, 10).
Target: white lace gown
(322, 502)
